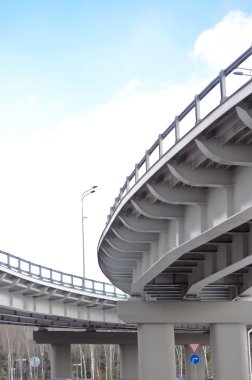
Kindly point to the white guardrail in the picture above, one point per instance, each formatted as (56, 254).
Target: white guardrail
(192, 114)
(48, 275)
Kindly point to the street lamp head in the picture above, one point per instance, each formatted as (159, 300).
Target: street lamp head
(238, 73)
(87, 192)
(243, 71)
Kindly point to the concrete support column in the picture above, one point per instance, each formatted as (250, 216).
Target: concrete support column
(156, 351)
(229, 347)
(61, 361)
(195, 371)
(128, 362)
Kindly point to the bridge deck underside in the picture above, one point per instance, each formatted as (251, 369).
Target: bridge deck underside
(185, 231)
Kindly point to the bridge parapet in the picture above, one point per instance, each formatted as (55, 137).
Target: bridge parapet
(193, 113)
(35, 295)
(53, 276)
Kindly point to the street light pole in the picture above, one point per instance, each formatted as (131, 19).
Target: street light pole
(21, 361)
(84, 195)
(77, 365)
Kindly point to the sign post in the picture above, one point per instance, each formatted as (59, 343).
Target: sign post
(194, 358)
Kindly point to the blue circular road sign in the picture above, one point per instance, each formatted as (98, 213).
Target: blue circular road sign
(194, 359)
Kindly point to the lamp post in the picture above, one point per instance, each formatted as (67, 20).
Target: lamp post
(21, 361)
(243, 71)
(77, 365)
(84, 195)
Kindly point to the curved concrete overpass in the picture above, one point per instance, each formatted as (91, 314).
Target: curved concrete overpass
(39, 296)
(179, 236)
(180, 230)
(181, 225)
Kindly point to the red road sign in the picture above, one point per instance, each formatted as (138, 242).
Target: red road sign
(194, 347)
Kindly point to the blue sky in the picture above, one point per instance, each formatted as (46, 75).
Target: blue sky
(86, 87)
(75, 55)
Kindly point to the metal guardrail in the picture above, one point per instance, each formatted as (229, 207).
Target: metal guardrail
(48, 275)
(174, 128)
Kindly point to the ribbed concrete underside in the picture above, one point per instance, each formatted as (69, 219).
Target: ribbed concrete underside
(184, 229)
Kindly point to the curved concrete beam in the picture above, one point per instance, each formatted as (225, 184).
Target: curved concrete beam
(228, 154)
(125, 261)
(122, 246)
(244, 115)
(198, 286)
(114, 254)
(158, 211)
(124, 234)
(144, 224)
(201, 176)
(181, 196)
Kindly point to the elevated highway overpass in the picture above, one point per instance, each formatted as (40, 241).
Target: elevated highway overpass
(178, 242)
(179, 236)
(183, 229)
(39, 296)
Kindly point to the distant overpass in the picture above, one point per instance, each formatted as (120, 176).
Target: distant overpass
(32, 294)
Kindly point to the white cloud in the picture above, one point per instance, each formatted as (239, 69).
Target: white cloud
(45, 174)
(218, 46)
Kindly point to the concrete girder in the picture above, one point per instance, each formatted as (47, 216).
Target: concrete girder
(27, 289)
(175, 253)
(114, 254)
(12, 285)
(94, 303)
(181, 196)
(94, 337)
(125, 272)
(30, 289)
(202, 177)
(228, 259)
(118, 268)
(52, 295)
(81, 301)
(42, 292)
(122, 246)
(66, 298)
(3, 276)
(245, 115)
(158, 211)
(131, 237)
(198, 286)
(229, 127)
(144, 224)
(119, 279)
(118, 262)
(187, 312)
(228, 154)
(84, 337)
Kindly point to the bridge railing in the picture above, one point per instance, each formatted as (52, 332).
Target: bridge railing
(49, 275)
(192, 114)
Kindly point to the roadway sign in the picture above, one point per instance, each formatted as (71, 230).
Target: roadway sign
(194, 359)
(194, 347)
(34, 361)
